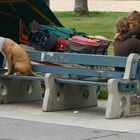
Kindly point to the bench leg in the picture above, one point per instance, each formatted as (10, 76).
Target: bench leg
(60, 97)
(118, 102)
(13, 90)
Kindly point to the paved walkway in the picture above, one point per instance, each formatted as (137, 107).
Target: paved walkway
(26, 121)
(98, 5)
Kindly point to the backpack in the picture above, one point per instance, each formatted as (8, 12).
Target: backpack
(78, 44)
(42, 40)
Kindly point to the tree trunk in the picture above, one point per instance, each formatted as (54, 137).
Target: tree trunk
(81, 7)
(48, 2)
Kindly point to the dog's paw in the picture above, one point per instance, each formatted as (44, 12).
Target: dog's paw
(18, 74)
(6, 73)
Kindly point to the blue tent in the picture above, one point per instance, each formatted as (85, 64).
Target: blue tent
(12, 12)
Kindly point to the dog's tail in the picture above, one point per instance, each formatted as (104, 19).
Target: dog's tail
(32, 73)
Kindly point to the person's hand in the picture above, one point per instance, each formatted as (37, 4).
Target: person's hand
(117, 36)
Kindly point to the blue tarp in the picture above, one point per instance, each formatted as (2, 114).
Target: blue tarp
(12, 11)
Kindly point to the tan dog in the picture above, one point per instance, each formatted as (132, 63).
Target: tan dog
(18, 60)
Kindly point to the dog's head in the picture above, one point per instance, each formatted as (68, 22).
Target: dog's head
(123, 25)
(134, 19)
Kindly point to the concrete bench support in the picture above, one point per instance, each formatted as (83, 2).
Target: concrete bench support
(118, 103)
(67, 96)
(124, 103)
(13, 90)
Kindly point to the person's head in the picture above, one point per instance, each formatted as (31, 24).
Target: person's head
(123, 25)
(134, 19)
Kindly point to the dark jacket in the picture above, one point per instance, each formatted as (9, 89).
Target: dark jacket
(130, 43)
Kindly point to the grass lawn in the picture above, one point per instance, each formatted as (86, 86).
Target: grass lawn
(96, 23)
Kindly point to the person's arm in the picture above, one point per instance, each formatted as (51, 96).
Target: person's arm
(135, 31)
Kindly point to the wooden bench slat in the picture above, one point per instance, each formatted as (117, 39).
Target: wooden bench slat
(77, 71)
(75, 58)
(21, 77)
(79, 82)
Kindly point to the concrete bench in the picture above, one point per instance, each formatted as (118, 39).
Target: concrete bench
(73, 80)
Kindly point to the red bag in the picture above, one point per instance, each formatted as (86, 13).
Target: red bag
(61, 45)
(84, 41)
(78, 44)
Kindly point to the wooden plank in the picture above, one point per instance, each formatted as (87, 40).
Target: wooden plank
(21, 77)
(75, 58)
(77, 71)
(79, 82)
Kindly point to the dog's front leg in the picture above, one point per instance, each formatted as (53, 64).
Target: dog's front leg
(9, 69)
